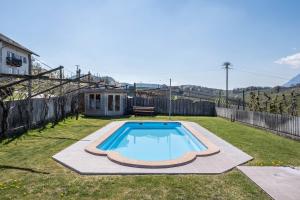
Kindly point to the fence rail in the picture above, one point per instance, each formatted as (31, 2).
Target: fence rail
(284, 124)
(178, 107)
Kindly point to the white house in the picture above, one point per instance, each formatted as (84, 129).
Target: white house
(14, 58)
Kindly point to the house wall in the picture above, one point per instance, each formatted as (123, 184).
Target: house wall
(4, 68)
(103, 111)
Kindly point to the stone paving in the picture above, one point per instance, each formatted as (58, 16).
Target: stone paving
(281, 183)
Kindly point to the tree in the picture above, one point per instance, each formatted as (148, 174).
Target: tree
(257, 104)
(267, 102)
(252, 101)
(293, 108)
(273, 105)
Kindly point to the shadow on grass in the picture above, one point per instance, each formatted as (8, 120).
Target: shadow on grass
(13, 137)
(57, 138)
(17, 133)
(8, 167)
(21, 132)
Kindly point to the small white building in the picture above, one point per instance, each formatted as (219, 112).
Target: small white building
(105, 102)
(14, 58)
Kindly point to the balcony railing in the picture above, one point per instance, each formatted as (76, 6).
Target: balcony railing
(13, 61)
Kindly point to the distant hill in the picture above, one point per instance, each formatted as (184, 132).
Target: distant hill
(293, 82)
(144, 85)
(147, 86)
(106, 79)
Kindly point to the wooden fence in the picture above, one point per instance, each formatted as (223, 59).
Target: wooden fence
(42, 111)
(178, 107)
(283, 124)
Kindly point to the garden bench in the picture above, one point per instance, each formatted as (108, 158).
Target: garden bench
(143, 110)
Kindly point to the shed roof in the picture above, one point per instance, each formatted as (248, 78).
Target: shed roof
(15, 44)
(102, 90)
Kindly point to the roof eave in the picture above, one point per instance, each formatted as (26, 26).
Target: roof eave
(27, 50)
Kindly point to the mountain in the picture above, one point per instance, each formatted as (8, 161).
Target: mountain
(293, 82)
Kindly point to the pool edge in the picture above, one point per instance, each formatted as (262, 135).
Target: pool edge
(185, 159)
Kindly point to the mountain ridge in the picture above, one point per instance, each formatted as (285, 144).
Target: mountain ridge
(293, 82)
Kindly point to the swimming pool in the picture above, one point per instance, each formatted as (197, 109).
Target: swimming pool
(152, 144)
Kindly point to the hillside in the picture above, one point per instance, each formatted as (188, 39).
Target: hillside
(277, 94)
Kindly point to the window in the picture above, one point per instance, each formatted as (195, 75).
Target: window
(117, 103)
(98, 100)
(91, 101)
(24, 60)
(110, 102)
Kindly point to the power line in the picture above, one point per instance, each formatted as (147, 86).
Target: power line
(65, 69)
(43, 63)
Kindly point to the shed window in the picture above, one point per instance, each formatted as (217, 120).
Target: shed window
(98, 100)
(110, 102)
(117, 103)
(91, 101)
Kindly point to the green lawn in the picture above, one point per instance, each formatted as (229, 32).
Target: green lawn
(27, 170)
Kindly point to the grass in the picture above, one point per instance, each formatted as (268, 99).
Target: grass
(27, 170)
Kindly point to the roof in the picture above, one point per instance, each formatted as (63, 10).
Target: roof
(15, 44)
(100, 90)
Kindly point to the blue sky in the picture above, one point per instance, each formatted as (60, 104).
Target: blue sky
(152, 40)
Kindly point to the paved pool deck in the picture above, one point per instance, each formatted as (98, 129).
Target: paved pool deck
(76, 158)
(281, 183)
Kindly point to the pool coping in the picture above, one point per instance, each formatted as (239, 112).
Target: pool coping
(185, 159)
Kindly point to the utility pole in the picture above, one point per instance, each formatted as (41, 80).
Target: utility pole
(61, 77)
(170, 105)
(134, 94)
(29, 73)
(89, 79)
(226, 66)
(29, 92)
(78, 75)
(78, 87)
(243, 99)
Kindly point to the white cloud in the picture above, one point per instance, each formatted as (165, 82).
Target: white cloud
(292, 60)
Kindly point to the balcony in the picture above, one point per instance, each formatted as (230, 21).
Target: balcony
(13, 61)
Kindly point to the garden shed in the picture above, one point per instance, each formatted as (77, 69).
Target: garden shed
(104, 102)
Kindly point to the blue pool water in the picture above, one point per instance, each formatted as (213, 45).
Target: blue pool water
(152, 141)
